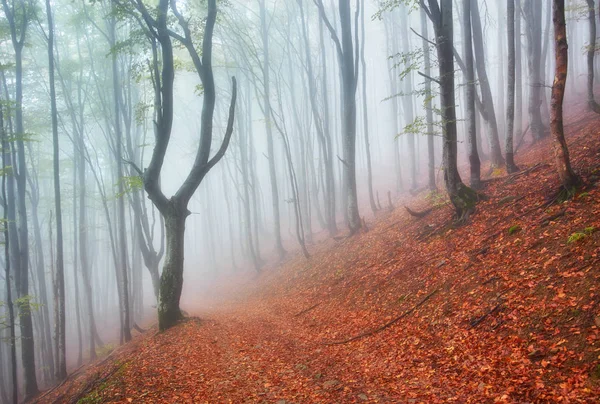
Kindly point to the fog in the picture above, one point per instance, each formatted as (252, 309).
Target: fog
(110, 118)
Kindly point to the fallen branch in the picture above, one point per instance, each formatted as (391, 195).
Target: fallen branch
(479, 320)
(386, 325)
(138, 328)
(314, 306)
(492, 279)
(546, 220)
(520, 142)
(511, 177)
(91, 385)
(70, 377)
(417, 213)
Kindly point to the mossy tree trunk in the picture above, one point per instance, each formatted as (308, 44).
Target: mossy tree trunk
(171, 280)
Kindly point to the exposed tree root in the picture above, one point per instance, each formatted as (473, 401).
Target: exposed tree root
(417, 213)
(546, 220)
(386, 325)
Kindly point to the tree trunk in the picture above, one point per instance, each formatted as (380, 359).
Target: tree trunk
(567, 176)
(591, 53)
(121, 229)
(531, 11)
(486, 93)
(510, 79)
(462, 197)
(428, 104)
(330, 198)
(6, 161)
(365, 109)
(474, 162)
(349, 115)
(61, 370)
(407, 99)
(268, 125)
(390, 38)
(518, 120)
(171, 280)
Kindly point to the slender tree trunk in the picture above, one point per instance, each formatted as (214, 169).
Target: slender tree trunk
(75, 265)
(407, 101)
(518, 125)
(121, 229)
(349, 75)
(428, 105)
(474, 162)
(330, 204)
(390, 38)
(591, 53)
(83, 249)
(531, 11)
(6, 161)
(61, 371)
(510, 79)
(366, 109)
(268, 124)
(567, 176)
(486, 93)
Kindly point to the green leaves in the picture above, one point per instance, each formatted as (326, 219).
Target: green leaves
(130, 184)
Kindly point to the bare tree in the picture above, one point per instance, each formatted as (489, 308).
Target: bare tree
(174, 209)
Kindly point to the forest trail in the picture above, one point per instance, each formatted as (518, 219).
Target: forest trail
(503, 309)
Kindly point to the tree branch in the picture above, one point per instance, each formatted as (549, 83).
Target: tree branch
(228, 132)
(422, 37)
(319, 4)
(429, 78)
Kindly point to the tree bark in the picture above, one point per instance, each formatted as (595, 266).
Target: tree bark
(531, 11)
(474, 162)
(510, 80)
(487, 99)
(462, 197)
(428, 104)
(566, 174)
(348, 71)
(591, 53)
(6, 161)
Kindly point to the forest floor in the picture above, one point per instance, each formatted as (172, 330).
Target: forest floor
(505, 308)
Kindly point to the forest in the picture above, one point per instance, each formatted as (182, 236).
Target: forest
(298, 201)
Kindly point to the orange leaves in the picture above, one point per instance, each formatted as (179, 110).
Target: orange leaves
(538, 346)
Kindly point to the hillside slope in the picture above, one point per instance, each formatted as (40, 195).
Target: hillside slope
(503, 309)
